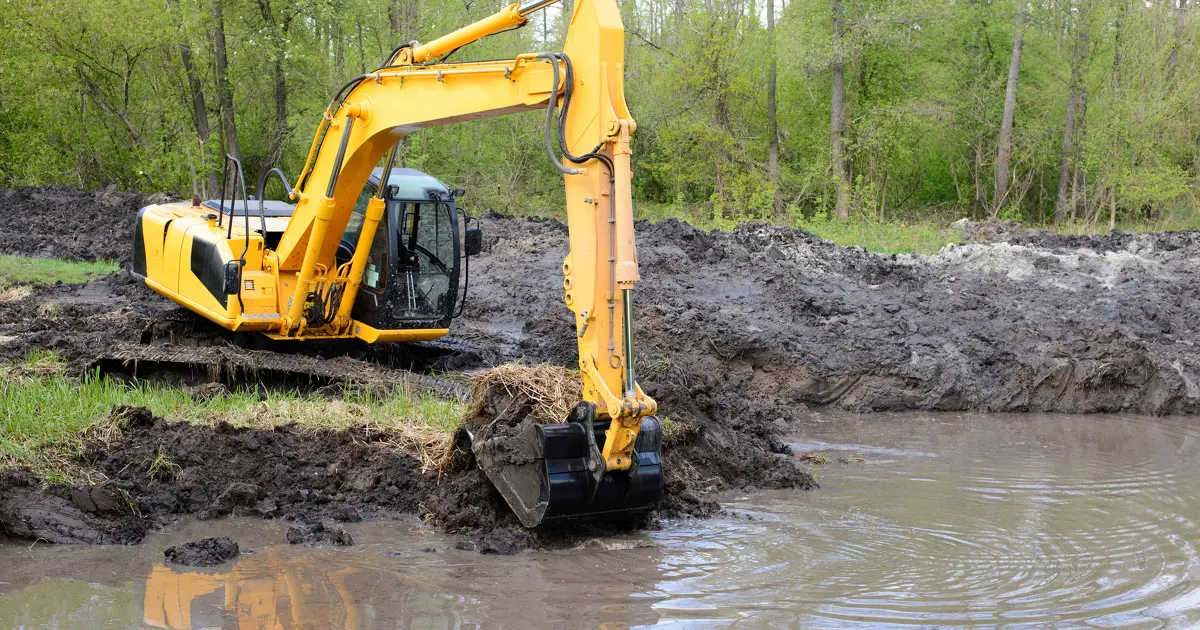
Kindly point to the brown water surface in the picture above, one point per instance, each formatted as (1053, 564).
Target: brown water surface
(935, 520)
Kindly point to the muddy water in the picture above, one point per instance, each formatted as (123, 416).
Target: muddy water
(1042, 521)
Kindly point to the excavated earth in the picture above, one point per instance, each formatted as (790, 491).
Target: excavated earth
(737, 334)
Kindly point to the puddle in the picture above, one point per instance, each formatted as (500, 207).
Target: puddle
(1035, 521)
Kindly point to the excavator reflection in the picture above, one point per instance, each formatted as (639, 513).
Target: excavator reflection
(293, 594)
(285, 587)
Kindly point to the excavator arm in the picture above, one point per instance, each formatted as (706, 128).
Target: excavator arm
(412, 92)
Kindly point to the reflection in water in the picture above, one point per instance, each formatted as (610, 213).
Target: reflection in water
(292, 593)
(398, 574)
(1020, 521)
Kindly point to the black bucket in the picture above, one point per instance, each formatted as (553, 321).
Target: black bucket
(546, 477)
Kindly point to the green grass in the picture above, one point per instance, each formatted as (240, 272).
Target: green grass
(45, 415)
(891, 237)
(897, 237)
(903, 235)
(45, 271)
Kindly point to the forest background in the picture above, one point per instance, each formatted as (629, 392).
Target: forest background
(847, 117)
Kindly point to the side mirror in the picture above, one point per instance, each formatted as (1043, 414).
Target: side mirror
(473, 240)
(232, 282)
(393, 191)
(457, 193)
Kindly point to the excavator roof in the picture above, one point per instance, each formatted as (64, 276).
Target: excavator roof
(409, 182)
(412, 184)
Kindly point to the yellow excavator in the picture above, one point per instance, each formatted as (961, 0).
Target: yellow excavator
(373, 252)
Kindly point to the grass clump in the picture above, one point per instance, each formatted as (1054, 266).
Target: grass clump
(21, 270)
(553, 390)
(162, 468)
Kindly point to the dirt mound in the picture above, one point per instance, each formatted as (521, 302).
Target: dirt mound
(759, 322)
(318, 533)
(292, 474)
(988, 230)
(208, 552)
(65, 515)
(65, 222)
(1012, 232)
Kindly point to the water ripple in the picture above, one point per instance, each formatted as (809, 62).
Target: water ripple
(972, 525)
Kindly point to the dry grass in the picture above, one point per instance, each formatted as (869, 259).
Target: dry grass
(816, 459)
(15, 293)
(553, 390)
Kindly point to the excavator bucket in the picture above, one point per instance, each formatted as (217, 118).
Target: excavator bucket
(550, 472)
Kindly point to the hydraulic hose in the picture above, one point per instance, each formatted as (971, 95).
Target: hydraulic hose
(594, 154)
(565, 170)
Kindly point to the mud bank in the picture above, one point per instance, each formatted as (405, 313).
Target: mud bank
(764, 320)
(65, 222)
(737, 334)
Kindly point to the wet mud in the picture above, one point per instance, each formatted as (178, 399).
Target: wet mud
(738, 334)
(318, 533)
(759, 322)
(207, 552)
(65, 222)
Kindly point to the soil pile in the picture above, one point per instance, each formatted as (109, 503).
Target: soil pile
(65, 514)
(170, 468)
(746, 328)
(65, 222)
(208, 552)
(318, 533)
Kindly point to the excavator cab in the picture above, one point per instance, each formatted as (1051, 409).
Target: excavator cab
(412, 271)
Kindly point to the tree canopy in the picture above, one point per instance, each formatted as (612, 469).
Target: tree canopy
(1102, 99)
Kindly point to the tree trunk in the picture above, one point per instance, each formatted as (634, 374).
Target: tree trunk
(339, 55)
(1079, 182)
(842, 203)
(396, 17)
(1004, 150)
(199, 107)
(1173, 60)
(1062, 202)
(278, 34)
(224, 92)
(281, 127)
(772, 122)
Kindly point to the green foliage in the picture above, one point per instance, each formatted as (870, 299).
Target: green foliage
(94, 92)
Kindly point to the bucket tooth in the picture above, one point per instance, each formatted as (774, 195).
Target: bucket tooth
(543, 473)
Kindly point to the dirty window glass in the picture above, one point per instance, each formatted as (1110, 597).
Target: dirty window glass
(375, 274)
(354, 226)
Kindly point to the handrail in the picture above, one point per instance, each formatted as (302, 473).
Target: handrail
(262, 184)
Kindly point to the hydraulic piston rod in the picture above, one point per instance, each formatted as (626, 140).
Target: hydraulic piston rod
(512, 16)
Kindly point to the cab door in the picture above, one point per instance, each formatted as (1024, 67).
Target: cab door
(426, 279)
(372, 293)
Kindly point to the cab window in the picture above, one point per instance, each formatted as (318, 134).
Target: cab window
(354, 226)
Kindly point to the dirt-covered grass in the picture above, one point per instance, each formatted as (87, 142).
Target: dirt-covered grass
(47, 415)
(22, 270)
